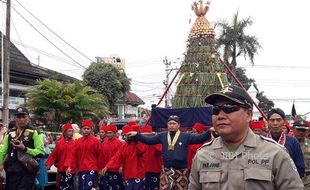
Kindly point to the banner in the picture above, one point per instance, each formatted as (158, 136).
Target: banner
(188, 116)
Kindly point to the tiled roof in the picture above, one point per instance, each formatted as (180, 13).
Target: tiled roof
(23, 72)
(132, 98)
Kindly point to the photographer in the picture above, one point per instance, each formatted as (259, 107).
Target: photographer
(20, 142)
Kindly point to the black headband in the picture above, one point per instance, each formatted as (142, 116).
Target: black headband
(277, 111)
(174, 118)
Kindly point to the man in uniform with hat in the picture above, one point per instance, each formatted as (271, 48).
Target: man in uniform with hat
(276, 118)
(63, 153)
(300, 128)
(86, 157)
(23, 138)
(239, 159)
(175, 144)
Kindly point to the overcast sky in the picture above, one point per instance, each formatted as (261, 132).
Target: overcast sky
(144, 32)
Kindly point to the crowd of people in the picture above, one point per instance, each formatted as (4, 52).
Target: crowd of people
(234, 153)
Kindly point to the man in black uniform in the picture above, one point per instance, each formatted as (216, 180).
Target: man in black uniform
(23, 138)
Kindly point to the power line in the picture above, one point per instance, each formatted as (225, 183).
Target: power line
(149, 89)
(275, 66)
(19, 37)
(55, 33)
(45, 53)
(135, 81)
(48, 39)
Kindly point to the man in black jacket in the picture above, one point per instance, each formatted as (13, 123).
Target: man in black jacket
(174, 152)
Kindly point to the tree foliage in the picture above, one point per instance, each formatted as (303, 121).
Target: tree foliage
(235, 42)
(65, 102)
(264, 103)
(242, 77)
(107, 80)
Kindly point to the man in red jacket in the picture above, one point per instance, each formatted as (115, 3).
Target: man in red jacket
(86, 155)
(63, 152)
(113, 179)
(153, 162)
(130, 157)
(198, 128)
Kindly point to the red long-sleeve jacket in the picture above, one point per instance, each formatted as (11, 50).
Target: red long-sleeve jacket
(192, 149)
(108, 149)
(86, 153)
(153, 158)
(130, 157)
(63, 154)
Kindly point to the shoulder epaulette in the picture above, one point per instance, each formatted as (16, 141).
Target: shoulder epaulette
(270, 140)
(267, 139)
(206, 144)
(11, 132)
(30, 130)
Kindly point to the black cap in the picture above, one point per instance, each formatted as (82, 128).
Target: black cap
(21, 111)
(174, 118)
(300, 124)
(233, 93)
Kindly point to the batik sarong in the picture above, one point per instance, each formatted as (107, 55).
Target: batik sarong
(87, 180)
(66, 181)
(173, 179)
(152, 181)
(134, 184)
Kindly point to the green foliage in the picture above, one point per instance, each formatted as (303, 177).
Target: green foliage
(264, 103)
(235, 41)
(241, 76)
(65, 102)
(107, 80)
(201, 73)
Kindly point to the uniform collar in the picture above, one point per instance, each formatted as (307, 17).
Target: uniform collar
(250, 141)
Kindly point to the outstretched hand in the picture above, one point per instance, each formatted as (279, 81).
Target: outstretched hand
(132, 133)
(68, 171)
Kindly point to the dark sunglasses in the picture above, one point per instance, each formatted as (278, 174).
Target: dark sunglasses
(226, 108)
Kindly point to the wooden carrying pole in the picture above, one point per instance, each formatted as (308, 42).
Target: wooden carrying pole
(164, 94)
(241, 86)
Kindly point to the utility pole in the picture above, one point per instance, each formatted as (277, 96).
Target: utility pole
(166, 82)
(6, 66)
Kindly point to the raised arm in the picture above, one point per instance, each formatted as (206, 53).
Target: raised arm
(149, 140)
(199, 138)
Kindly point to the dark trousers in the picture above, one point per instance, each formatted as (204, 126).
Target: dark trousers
(20, 181)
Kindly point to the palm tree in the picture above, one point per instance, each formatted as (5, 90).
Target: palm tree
(236, 42)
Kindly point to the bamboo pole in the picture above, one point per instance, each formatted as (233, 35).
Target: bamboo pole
(164, 94)
(241, 86)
